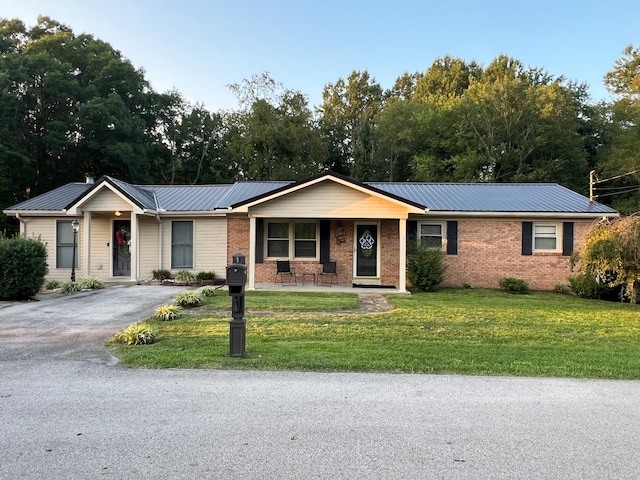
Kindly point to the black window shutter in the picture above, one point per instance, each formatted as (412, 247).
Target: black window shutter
(259, 240)
(325, 241)
(567, 238)
(452, 237)
(412, 234)
(527, 238)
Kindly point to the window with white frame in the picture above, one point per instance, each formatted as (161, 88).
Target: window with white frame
(431, 234)
(182, 244)
(292, 239)
(64, 245)
(545, 237)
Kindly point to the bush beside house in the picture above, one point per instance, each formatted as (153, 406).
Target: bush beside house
(24, 267)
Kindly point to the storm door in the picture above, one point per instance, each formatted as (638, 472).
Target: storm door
(366, 246)
(121, 242)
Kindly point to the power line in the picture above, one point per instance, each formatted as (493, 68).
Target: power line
(634, 189)
(615, 178)
(593, 181)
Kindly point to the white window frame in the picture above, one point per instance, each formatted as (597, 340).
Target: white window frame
(557, 235)
(193, 249)
(291, 240)
(443, 233)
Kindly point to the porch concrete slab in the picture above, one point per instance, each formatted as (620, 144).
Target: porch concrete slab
(307, 287)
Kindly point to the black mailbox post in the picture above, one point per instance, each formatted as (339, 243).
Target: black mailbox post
(236, 280)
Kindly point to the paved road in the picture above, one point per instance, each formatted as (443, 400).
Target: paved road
(68, 412)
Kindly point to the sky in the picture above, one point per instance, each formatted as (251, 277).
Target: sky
(199, 47)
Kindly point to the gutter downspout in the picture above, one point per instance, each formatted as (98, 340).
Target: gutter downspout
(22, 224)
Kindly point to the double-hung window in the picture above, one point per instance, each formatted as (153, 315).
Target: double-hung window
(431, 234)
(182, 244)
(292, 239)
(64, 245)
(545, 237)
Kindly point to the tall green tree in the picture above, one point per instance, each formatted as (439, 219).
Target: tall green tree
(515, 124)
(623, 157)
(446, 81)
(69, 104)
(274, 137)
(348, 114)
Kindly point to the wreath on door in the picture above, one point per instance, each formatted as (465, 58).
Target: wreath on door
(123, 239)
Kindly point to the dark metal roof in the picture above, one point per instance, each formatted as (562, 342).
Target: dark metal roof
(243, 191)
(189, 198)
(494, 197)
(445, 197)
(141, 195)
(56, 199)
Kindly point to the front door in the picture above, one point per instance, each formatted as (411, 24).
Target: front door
(366, 258)
(121, 242)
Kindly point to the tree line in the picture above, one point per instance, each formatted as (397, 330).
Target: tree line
(71, 104)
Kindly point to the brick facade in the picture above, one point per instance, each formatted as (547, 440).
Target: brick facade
(487, 251)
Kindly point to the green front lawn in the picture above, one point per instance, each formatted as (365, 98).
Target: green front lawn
(476, 332)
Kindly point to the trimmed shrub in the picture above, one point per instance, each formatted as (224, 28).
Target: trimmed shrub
(425, 269)
(514, 285)
(24, 266)
(208, 291)
(71, 287)
(189, 299)
(136, 334)
(586, 286)
(161, 274)
(53, 284)
(202, 276)
(167, 312)
(184, 276)
(91, 283)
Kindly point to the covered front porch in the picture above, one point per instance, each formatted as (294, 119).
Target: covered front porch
(350, 253)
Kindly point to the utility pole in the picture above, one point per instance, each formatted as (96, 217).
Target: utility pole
(592, 177)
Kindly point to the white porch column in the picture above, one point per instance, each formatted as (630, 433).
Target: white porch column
(86, 244)
(403, 254)
(251, 273)
(133, 248)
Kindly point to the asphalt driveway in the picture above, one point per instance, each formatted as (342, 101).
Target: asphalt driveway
(67, 411)
(75, 327)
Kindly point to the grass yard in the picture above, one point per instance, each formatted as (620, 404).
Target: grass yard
(477, 332)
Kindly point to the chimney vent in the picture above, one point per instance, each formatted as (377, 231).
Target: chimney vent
(89, 178)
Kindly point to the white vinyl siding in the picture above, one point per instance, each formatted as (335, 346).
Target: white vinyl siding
(149, 242)
(101, 247)
(106, 201)
(329, 200)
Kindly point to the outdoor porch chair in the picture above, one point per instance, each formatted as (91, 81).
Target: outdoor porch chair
(285, 271)
(328, 271)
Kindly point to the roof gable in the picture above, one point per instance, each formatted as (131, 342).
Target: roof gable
(290, 188)
(111, 194)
